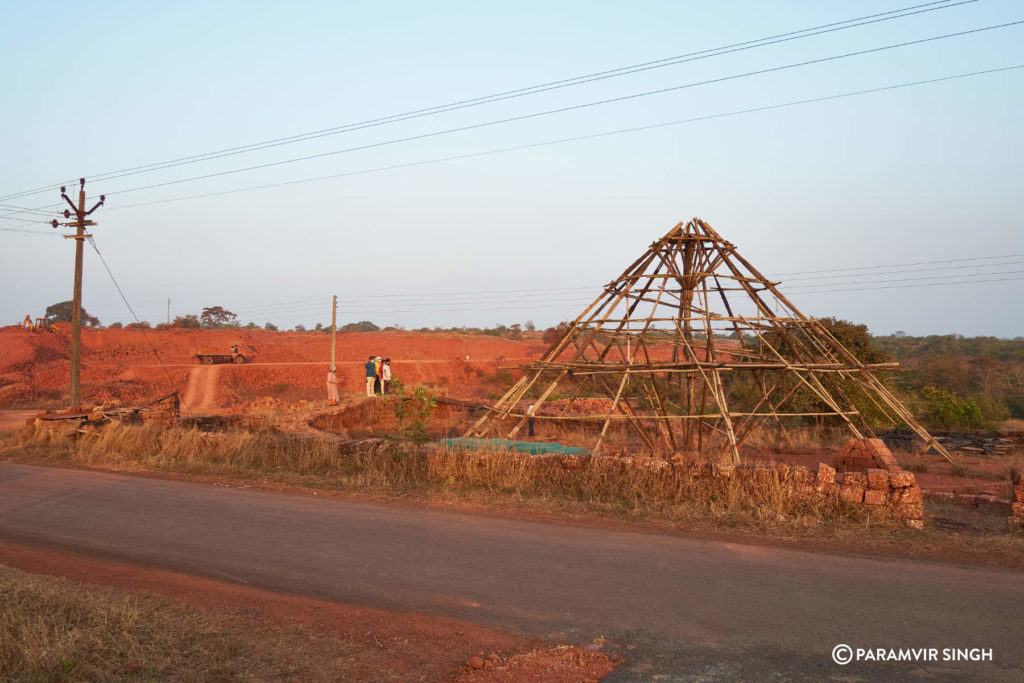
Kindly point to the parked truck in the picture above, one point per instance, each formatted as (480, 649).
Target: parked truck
(234, 355)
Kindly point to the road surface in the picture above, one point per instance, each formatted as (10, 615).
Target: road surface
(674, 606)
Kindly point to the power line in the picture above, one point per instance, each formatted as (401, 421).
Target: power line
(899, 265)
(381, 300)
(530, 305)
(909, 279)
(459, 303)
(30, 232)
(22, 209)
(559, 141)
(900, 272)
(559, 110)
(156, 353)
(521, 92)
(929, 284)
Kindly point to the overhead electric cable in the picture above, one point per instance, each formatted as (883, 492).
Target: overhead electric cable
(876, 273)
(559, 110)
(156, 352)
(928, 284)
(900, 265)
(30, 232)
(578, 138)
(521, 92)
(797, 288)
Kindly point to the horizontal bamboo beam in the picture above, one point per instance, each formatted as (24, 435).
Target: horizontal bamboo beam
(641, 418)
(689, 366)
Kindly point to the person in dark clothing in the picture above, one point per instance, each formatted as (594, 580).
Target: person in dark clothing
(371, 376)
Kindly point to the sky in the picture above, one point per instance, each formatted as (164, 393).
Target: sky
(900, 209)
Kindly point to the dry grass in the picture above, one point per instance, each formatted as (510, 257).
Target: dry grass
(1012, 426)
(640, 489)
(52, 629)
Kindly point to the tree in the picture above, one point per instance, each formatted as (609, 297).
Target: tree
(217, 317)
(553, 334)
(62, 313)
(946, 410)
(361, 326)
(300, 328)
(530, 327)
(271, 327)
(189, 322)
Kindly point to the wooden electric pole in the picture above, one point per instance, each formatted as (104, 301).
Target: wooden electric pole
(334, 325)
(80, 223)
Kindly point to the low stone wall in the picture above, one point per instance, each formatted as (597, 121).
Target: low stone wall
(866, 474)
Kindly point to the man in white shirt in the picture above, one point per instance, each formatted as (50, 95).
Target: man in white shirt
(332, 387)
(385, 377)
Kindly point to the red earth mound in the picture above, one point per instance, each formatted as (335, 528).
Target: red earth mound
(134, 365)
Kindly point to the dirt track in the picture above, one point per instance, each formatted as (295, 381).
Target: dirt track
(201, 394)
(672, 605)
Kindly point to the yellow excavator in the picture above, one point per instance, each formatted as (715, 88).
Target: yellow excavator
(40, 325)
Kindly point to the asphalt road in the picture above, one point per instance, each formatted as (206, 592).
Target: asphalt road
(690, 608)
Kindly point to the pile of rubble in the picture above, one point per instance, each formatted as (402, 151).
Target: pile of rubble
(1016, 521)
(981, 444)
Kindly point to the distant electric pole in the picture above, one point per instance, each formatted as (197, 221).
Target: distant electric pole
(80, 223)
(334, 325)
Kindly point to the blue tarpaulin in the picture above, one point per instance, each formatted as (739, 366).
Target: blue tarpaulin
(532, 447)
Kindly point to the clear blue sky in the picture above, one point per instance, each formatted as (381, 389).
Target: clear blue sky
(929, 173)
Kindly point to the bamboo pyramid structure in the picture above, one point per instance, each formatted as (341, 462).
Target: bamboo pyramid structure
(692, 349)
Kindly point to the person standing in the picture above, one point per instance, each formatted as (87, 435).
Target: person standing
(385, 376)
(332, 387)
(529, 420)
(376, 366)
(371, 376)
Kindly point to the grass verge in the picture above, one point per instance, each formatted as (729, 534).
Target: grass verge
(53, 629)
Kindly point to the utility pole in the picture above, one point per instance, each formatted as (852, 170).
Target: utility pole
(334, 326)
(168, 310)
(80, 223)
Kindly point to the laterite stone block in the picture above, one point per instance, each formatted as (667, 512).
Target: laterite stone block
(910, 511)
(801, 474)
(826, 474)
(851, 494)
(878, 479)
(901, 480)
(874, 497)
(858, 479)
(911, 494)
